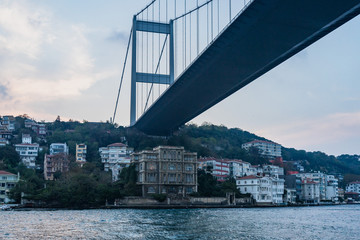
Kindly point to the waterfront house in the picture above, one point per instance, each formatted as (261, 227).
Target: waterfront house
(263, 189)
(7, 182)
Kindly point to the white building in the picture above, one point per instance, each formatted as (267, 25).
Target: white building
(28, 151)
(56, 148)
(310, 191)
(267, 149)
(264, 190)
(353, 187)
(328, 185)
(115, 157)
(332, 188)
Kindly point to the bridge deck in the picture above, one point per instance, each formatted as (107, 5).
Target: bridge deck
(267, 33)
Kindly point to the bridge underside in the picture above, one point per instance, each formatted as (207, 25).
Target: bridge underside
(267, 33)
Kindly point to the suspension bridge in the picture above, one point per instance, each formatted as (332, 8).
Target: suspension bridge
(188, 55)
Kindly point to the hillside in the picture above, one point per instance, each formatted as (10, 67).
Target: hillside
(207, 140)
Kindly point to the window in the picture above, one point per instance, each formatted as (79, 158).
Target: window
(189, 178)
(151, 190)
(189, 189)
(151, 177)
(172, 167)
(188, 167)
(172, 177)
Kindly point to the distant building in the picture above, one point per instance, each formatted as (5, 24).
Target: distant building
(353, 187)
(56, 148)
(8, 122)
(27, 151)
(166, 170)
(115, 157)
(267, 149)
(5, 134)
(264, 190)
(55, 163)
(7, 182)
(81, 154)
(3, 142)
(38, 128)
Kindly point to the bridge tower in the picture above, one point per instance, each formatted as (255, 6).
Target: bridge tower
(145, 77)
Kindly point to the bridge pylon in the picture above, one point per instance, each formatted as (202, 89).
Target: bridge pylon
(146, 77)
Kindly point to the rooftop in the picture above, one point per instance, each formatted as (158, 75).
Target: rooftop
(5, 173)
(117, 145)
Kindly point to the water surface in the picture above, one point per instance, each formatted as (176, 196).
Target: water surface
(326, 222)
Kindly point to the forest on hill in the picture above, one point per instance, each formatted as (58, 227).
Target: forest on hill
(91, 181)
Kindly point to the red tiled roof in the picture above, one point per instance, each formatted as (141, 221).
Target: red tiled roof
(356, 182)
(352, 193)
(27, 144)
(262, 141)
(5, 173)
(248, 177)
(117, 145)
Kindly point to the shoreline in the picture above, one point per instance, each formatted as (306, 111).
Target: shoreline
(151, 207)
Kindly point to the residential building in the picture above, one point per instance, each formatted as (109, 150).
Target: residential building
(56, 148)
(5, 134)
(38, 128)
(328, 184)
(219, 168)
(81, 154)
(3, 142)
(264, 190)
(273, 171)
(310, 191)
(166, 170)
(115, 157)
(7, 182)
(289, 196)
(353, 187)
(53, 164)
(267, 149)
(8, 122)
(331, 190)
(27, 151)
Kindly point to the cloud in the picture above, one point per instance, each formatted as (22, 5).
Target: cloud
(118, 36)
(43, 58)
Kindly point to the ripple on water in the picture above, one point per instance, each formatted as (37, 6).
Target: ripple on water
(331, 222)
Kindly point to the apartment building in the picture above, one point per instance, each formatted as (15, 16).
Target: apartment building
(55, 163)
(267, 149)
(80, 154)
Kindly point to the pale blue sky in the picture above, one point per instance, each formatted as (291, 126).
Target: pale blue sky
(65, 58)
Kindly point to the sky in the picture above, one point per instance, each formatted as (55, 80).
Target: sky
(65, 58)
